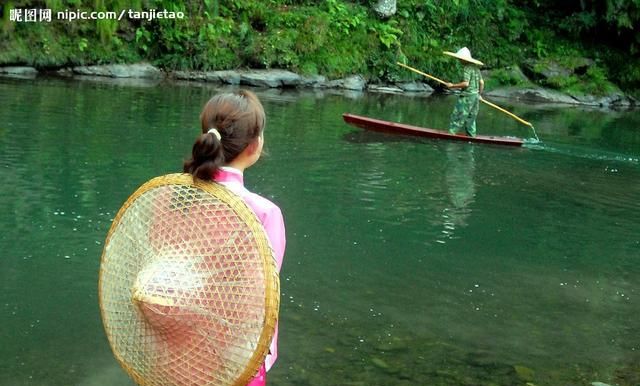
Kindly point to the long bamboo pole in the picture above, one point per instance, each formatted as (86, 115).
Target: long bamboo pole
(422, 73)
(517, 118)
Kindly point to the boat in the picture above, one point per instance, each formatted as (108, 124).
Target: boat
(401, 128)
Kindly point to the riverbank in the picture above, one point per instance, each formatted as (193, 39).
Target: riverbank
(584, 51)
(525, 90)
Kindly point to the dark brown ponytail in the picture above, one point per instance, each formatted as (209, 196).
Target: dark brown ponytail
(206, 157)
(239, 119)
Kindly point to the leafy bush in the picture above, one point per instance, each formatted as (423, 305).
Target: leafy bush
(506, 77)
(337, 37)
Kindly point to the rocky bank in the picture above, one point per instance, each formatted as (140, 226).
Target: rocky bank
(276, 78)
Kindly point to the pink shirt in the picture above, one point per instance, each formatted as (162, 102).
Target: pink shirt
(271, 217)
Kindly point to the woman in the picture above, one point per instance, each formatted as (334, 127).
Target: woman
(231, 141)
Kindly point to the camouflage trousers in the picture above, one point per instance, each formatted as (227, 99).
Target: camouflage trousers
(464, 114)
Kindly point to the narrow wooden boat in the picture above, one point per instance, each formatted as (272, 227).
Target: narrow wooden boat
(400, 128)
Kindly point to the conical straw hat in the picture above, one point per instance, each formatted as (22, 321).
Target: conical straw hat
(189, 291)
(465, 55)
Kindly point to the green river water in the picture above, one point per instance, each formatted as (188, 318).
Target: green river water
(409, 261)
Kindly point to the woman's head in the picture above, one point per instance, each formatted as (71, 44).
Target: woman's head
(239, 120)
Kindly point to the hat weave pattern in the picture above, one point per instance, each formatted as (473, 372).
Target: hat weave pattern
(189, 292)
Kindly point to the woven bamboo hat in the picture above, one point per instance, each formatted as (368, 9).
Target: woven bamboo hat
(189, 291)
(465, 55)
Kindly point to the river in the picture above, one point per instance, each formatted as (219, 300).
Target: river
(409, 261)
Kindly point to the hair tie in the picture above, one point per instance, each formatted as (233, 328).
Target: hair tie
(215, 132)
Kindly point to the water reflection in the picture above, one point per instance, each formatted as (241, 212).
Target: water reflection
(366, 287)
(459, 168)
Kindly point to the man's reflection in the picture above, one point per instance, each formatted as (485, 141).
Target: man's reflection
(461, 188)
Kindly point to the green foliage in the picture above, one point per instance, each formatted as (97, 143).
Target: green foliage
(387, 33)
(277, 49)
(337, 37)
(562, 82)
(595, 82)
(614, 20)
(343, 17)
(83, 43)
(505, 77)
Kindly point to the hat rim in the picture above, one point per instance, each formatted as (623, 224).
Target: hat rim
(271, 277)
(466, 59)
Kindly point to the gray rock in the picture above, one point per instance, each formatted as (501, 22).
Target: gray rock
(385, 8)
(542, 95)
(138, 70)
(270, 78)
(545, 69)
(512, 75)
(289, 79)
(314, 81)
(625, 101)
(533, 94)
(229, 77)
(355, 82)
(90, 70)
(616, 98)
(65, 71)
(19, 70)
(384, 89)
(587, 99)
(190, 75)
(128, 82)
(336, 83)
(415, 87)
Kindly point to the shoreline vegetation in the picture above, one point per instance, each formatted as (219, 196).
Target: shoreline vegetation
(578, 54)
(146, 73)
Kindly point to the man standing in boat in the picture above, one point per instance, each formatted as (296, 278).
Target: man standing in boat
(466, 109)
